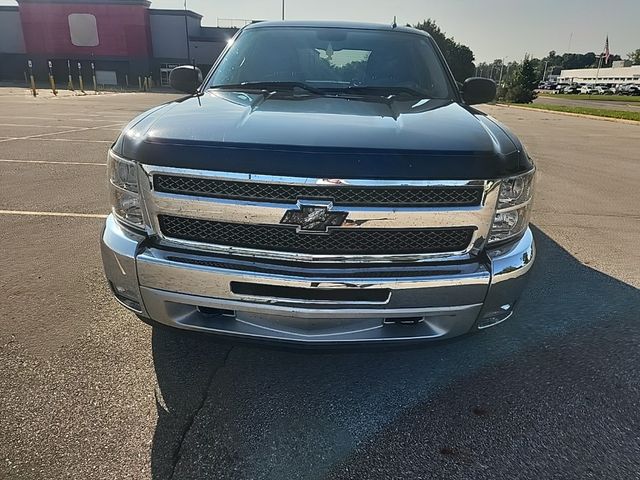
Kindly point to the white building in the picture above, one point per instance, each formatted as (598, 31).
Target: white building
(606, 75)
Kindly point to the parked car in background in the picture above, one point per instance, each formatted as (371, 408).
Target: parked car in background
(559, 88)
(630, 89)
(547, 86)
(587, 90)
(571, 90)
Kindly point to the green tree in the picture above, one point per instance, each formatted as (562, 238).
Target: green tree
(459, 57)
(521, 87)
(635, 57)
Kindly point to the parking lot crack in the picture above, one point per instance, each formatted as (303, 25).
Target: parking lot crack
(191, 420)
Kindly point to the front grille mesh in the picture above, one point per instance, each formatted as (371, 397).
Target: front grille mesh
(339, 194)
(338, 241)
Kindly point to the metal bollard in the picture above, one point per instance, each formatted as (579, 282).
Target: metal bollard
(52, 82)
(33, 81)
(80, 77)
(93, 76)
(70, 82)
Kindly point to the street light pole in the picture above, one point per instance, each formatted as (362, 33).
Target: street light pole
(186, 32)
(282, 9)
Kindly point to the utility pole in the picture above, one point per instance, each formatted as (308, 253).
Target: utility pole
(186, 32)
(282, 9)
(544, 74)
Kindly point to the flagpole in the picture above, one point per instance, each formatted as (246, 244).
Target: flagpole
(606, 52)
(598, 71)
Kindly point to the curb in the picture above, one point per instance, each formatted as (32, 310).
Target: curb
(571, 114)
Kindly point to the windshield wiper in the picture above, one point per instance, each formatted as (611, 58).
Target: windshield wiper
(384, 91)
(271, 86)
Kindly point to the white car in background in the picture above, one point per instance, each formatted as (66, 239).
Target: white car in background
(587, 90)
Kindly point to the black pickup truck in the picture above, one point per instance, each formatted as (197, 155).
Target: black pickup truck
(326, 183)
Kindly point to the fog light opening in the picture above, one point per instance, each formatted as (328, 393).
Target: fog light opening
(494, 318)
(127, 298)
(217, 312)
(403, 320)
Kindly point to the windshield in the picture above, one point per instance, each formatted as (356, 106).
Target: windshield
(335, 59)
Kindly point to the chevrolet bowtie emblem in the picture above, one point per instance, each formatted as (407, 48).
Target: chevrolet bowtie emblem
(314, 218)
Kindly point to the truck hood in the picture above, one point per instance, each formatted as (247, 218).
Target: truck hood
(337, 137)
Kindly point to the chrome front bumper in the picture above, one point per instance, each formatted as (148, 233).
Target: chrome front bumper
(195, 292)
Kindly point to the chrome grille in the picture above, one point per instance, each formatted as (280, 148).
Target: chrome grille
(436, 196)
(388, 220)
(361, 241)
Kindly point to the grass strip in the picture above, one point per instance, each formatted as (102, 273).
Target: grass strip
(598, 112)
(594, 98)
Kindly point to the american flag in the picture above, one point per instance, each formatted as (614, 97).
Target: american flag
(607, 54)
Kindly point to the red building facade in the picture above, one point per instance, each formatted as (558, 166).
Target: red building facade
(122, 29)
(121, 39)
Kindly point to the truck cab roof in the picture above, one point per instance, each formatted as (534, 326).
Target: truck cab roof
(334, 24)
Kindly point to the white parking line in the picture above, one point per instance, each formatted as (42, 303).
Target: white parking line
(73, 114)
(73, 130)
(52, 214)
(6, 160)
(102, 118)
(80, 140)
(26, 125)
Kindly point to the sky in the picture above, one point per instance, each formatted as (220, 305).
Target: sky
(491, 28)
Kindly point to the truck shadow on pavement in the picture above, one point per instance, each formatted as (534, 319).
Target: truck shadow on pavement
(552, 390)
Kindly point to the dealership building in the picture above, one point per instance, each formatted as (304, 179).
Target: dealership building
(613, 75)
(120, 39)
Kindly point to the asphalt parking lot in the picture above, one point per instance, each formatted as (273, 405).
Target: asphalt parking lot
(89, 391)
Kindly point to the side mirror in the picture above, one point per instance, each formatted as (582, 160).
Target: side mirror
(478, 90)
(185, 78)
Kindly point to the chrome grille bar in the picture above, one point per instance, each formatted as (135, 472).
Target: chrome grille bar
(338, 193)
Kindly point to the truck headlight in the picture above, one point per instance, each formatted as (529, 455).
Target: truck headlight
(514, 207)
(123, 191)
